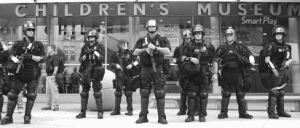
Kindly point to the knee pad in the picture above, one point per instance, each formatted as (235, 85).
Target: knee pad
(145, 93)
(12, 96)
(118, 94)
(274, 93)
(281, 93)
(240, 94)
(226, 94)
(128, 93)
(159, 94)
(192, 95)
(203, 95)
(97, 95)
(31, 96)
(84, 95)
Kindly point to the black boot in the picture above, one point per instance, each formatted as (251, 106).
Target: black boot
(129, 105)
(144, 111)
(161, 111)
(224, 105)
(202, 111)
(271, 107)
(117, 108)
(144, 106)
(82, 114)
(280, 106)
(191, 107)
(98, 98)
(10, 110)
(242, 105)
(27, 118)
(31, 96)
(84, 101)
(183, 107)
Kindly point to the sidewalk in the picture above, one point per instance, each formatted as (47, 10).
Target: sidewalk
(65, 118)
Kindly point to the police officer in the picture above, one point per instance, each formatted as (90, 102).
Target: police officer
(278, 56)
(198, 57)
(123, 61)
(145, 47)
(186, 36)
(29, 53)
(91, 59)
(230, 55)
(3, 61)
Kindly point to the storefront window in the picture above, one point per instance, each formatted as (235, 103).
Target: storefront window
(117, 29)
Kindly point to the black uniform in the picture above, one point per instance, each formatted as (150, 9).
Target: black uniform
(150, 78)
(3, 61)
(181, 80)
(28, 74)
(198, 81)
(123, 79)
(92, 71)
(232, 76)
(278, 53)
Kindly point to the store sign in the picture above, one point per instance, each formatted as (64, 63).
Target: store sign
(259, 20)
(150, 8)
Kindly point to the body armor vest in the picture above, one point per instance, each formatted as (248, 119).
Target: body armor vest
(230, 60)
(158, 56)
(279, 56)
(126, 59)
(91, 58)
(204, 49)
(29, 70)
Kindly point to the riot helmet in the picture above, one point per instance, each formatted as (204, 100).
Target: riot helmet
(151, 26)
(92, 33)
(198, 32)
(28, 27)
(278, 29)
(230, 34)
(278, 32)
(123, 44)
(186, 36)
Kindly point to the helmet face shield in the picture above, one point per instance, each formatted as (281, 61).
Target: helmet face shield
(198, 32)
(29, 28)
(92, 35)
(279, 36)
(186, 34)
(151, 26)
(230, 34)
(123, 44)
(29, 25)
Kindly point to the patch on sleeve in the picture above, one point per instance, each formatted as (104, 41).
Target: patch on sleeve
(270, 47)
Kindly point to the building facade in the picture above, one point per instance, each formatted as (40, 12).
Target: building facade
(65, 23)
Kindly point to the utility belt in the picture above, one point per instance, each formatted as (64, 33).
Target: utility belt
(231, 65)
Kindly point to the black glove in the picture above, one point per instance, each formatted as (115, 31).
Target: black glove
(27, 56)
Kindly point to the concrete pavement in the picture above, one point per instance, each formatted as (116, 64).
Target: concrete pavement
(65, 118)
